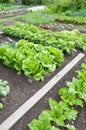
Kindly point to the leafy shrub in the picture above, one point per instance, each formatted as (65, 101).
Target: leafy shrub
(47, 2)
(64, 5)
(4, 1)
(31, 2)
(80, 4)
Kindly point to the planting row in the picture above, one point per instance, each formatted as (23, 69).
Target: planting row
(76, 20)
(64, 40)
(34, 60)
(62, 113)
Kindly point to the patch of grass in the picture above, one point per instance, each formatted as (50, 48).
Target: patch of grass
(38, 17)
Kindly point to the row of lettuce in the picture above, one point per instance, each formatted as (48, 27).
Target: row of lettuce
(73, 19)
(62, 113)
(4, 90)
(34, 60)
(65, 41)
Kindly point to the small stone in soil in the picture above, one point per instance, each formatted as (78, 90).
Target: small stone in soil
(30, 80)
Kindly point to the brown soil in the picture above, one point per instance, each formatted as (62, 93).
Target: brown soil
(70, 27)
(59, 26)
(4, 38)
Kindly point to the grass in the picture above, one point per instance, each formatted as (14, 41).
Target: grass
(38, 17)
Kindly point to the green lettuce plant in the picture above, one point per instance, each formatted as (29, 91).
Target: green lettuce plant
(66, 41)
(4, 88)
(34, 60)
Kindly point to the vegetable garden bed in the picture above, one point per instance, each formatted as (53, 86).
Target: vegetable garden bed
(79, 123)
(22, 88)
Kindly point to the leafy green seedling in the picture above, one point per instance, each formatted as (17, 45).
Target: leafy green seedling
(4, 88)
(1, 106)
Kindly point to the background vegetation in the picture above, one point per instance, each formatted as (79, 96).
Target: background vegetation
(55, 5)
(59, 6)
